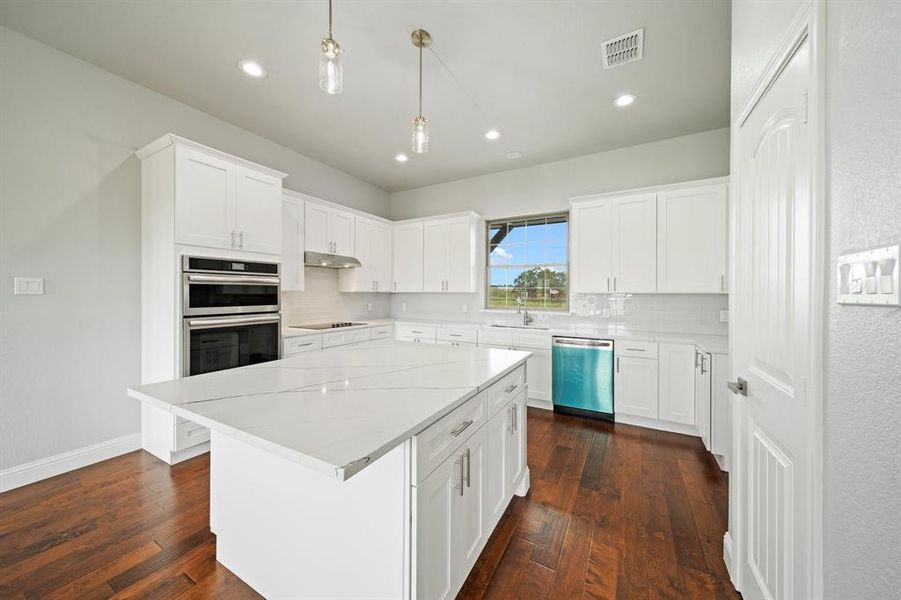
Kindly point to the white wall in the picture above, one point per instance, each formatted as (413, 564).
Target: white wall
(69, 212)
(547, 187)
(863, 351)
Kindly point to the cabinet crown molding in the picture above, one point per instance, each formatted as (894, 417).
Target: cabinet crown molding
(588, 198)
(170, 139)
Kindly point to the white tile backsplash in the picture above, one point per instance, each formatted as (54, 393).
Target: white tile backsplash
(669, 313)
(321, 302)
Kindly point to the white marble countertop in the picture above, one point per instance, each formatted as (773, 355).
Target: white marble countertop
(715, 344)
(332, 411)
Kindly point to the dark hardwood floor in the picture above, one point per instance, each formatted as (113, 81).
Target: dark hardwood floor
(614, 512)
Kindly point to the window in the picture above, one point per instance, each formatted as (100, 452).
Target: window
(528, 259)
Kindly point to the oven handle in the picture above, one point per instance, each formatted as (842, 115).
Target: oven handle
(234, 280)
(226, 321)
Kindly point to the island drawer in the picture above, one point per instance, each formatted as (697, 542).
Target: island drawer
(189, 434)
(342, 338)
(504, 390)
(382, 332)
(307, 343)
(635, 349)
(461, 334)
(409, 330)
(438, 441)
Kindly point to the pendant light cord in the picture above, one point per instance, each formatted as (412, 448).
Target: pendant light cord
(330, 19)
(420, 80)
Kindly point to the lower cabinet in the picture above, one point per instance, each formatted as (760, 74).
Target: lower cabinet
(538, 366)
(676, 383)
(635, 387)
(703, 367)
(457, 506)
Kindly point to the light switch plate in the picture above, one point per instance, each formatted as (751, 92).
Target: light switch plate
(869, 277)
(465, 308)
(369, 306)
(28, 286)
(724, 316)
(403, 306)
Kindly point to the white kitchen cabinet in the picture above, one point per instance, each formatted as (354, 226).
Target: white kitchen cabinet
(292, 269)
(506, 457)
(450, 254)
(469, 520)
(258, 206)
(721, 411)
(676, 372)
(220, 203)
(703, 368)
(635, 386)
(691, 240)
(434, 509)
(372, 246)
(615, 244)
(539, 365)
(329, 230)
(515, 456)
(407, 257)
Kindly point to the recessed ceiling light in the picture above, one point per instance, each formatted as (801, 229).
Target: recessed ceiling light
(492, 134)
(252, 68)
(624, 100)
(401, 158)
(514, 155)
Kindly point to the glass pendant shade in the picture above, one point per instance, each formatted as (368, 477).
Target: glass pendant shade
(331, 70)
(420, 135)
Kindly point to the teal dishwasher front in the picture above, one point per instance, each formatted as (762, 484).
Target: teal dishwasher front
(583, 377)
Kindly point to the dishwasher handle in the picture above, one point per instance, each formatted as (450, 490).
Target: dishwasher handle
(584, 342)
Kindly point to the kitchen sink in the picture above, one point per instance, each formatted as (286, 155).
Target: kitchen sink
(522, 327)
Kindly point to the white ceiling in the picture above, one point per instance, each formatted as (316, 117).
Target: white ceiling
(533, 67)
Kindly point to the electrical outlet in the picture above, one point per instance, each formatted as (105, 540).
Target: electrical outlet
(369, 306)
(403, 306)
(28, 286)
(465, 308)
(724, 316)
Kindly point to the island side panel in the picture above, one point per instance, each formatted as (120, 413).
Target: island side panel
(290, 532)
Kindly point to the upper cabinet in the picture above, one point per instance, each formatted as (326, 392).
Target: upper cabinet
(372, 241)
(614, 244)
(220, 201)
(292, 243)
(666, 240)
(329, 230)
(408, 257)
(450, 254)
(691, 240)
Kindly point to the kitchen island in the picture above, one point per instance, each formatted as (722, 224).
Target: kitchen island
(368, 472)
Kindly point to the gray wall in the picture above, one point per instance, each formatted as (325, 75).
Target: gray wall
(862, 420)
(69, 212)
(863, 349)
(547, 187)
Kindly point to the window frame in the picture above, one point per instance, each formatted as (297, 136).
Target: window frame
(566, 215)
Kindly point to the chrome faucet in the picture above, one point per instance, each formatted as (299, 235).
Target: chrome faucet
(523, 311)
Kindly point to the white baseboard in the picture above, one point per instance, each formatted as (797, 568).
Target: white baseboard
(542, 404)
(51, 466)
(727, 557)
(656, 424)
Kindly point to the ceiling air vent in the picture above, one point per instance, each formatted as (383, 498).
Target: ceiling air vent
(624, 49)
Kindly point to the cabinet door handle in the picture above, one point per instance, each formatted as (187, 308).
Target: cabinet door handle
(608, 284)
(510, 388)
(614, 284)
(461, 428)
(466, 457)
(703, 365)
(514, 417)
(617, 364)
(241, 239)
(635, 349)
(697, 358)
(233, 238)
(395, 286)
(459, 461)
(722, 283)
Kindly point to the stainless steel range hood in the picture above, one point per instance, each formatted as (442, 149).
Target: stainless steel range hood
(332, 261)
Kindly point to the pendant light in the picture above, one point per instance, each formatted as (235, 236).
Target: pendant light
(331, 70)
(421, 39)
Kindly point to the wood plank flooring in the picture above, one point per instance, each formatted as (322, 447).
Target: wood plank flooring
(614, 512)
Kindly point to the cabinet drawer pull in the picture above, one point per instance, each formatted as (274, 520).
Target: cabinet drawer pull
(461, 428)
(455, 335)
(304, 344)
(510, 388)
(635, 349)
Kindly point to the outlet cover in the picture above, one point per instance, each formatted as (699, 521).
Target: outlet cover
(403, 306)
(369, 306)
(465, 308)
(724, 316)
(28, 286)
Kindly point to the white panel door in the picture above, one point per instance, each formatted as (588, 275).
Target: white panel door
(259, 211)
(408, 257)
(773, 347)
(204, 200)
(469, 517)
(592, 257)
(691, 246)
(341, 232)
(316, 236)
(380, 251)
(635, 387)
(461, 257)
(292, 270)
(436, 249)
(635, 252)
(496, 491)
(433, 553)
(676, 389)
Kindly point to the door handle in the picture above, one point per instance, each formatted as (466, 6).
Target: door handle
(739, 387)
(617, 364)
(697, 356)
